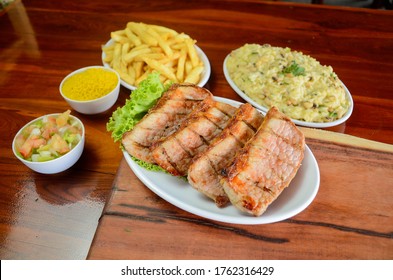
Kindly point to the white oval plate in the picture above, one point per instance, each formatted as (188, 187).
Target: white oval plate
(301, 123)
(205, 74)
(294, 199)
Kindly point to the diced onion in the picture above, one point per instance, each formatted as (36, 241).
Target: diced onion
(62, 130)
(45, 153)
(35, 157)
(35, 131)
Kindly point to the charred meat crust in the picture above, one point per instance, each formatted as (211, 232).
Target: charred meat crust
(207, 168)
(193, 137)
(163, 119)
(229, 154)
(266, 165)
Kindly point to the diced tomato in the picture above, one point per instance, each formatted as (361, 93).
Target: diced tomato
(59, 144)
(49, 130)
(51, 119)
(63, 118)
(36, 141)
(74, 130)
(31, 143)
(25, 149)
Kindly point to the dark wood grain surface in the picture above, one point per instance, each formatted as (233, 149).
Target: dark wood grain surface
(348, 219)
(56, 216)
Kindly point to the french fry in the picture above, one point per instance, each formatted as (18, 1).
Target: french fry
(143, 76)
(124, 50)
(131, 73)
(178, 46)
(140, 30)
(123, 68)
(108, 56)
(163, 79)
(127, 78)
(161, 42)
(116, 56)
(156, 50)
(181, 37)
(109, 48)
(162, 69)
(188, 67)
(138, 66)
(134, 53)
(181, 65)
(194, 76)
(132, 37)
(142, 48)
(118, 33)
(170, 59)
(192, 52)
(152, 55)
(165, 36)
(118, 37)
(163, 29)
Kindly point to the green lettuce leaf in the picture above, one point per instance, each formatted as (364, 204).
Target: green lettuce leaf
(148, 166)
(124, 118)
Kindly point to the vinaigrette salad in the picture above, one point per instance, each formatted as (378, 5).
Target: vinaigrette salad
(49, 137)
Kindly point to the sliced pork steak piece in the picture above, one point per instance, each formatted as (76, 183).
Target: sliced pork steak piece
(175, 152)
(163, 119)
(205, 172)
(265, 165)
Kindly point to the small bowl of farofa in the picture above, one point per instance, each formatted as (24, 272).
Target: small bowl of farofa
(91, 90)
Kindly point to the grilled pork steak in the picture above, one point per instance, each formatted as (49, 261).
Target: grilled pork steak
(266, 165)
(205, 172)
(163, 119)
(175, 152)
(226, 152)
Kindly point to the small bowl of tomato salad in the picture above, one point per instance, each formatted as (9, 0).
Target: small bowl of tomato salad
(51, 143)
(91, 90)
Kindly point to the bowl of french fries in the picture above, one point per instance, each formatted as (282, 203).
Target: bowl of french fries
(140, 49)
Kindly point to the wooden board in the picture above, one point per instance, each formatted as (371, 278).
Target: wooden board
(350, 218)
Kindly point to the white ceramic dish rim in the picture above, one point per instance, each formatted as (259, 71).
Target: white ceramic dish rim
(301, 123)
(205, 74)
(308, 177)
(84, 69)
(81, 142)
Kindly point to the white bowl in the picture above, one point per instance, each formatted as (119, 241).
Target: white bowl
(203, 57)
(94, 106)
(59, 164)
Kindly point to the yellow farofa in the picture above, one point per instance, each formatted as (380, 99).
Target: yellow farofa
(297, 84)
(89, 84)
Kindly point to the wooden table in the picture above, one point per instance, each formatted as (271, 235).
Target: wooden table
(99, 210)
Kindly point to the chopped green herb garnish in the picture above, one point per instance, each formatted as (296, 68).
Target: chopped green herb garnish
(294, 68)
